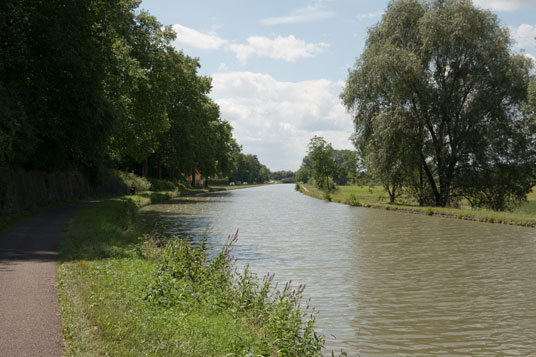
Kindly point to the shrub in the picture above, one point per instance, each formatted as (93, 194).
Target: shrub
(353, 201)
(162, 185)
(142, 184)
(190, 279)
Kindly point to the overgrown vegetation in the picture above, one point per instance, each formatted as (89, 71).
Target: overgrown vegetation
(126, 294)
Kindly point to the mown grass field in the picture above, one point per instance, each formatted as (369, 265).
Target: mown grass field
(127, 294)
(374, 196)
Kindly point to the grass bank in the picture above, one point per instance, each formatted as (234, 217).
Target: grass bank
(375, 197)
(126, 293)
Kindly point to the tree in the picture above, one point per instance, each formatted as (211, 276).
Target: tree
(531, 102)
(248, 169)
(321, 155)
(438, 94)
(345, 162)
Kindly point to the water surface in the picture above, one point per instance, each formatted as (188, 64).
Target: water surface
(384, 282)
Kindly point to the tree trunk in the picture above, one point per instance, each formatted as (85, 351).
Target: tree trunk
(420, 193)
(327, 182)
(392, 195)
(145, 170)
(193, 178)
(436, 192)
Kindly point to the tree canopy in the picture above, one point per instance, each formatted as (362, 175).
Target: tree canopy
(438, 98)
(92, 84)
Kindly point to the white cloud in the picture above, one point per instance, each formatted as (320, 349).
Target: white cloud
(285, 48)
(275, 119)
(370, 15)
(505, 5)
(524, 36)
(198, 39)
(533, 58)
(313, 12)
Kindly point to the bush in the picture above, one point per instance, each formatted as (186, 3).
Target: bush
(190, 280)
(327, 196)
(353, 201)
(218, 181)
(142, 184)
(162, 185)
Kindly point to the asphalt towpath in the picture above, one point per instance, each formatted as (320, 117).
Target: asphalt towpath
(30, 323)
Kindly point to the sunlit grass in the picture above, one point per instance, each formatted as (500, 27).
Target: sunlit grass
(375, 196)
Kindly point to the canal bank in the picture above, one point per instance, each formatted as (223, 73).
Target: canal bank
(125, 292)
(362, 196)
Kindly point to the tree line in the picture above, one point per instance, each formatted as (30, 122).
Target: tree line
(325, 167)
(443, 109)
(87, 85)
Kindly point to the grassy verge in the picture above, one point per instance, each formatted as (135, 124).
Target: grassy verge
(124, 293)
(365, 196)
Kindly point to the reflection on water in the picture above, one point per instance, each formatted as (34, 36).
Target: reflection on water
(384, 282)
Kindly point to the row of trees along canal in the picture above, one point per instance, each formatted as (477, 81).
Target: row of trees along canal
(86, 85)
(443, 110)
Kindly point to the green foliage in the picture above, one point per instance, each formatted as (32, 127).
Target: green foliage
(142, 184)
(284, 176)
(375, 196)
(189, 279)
(353, 201)
(162, 185)
(303, 174)
(86, 85)
(320, 153)
(218, 181)
(437, 100)
(327, 196)
(248, 169)
(344, 165)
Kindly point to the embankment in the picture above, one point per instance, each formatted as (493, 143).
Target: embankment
(363, 197)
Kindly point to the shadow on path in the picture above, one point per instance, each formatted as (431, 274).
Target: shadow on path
(30, 324)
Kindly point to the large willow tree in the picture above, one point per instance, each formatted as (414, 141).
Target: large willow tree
(437, 99)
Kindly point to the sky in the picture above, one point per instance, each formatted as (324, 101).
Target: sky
(278, 66)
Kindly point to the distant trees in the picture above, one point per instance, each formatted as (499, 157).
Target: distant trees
(285, 176)
(438, 101)
(84, 85)
(323, 163)
(247, 168)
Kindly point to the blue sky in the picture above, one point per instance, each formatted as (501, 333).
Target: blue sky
(278, 66)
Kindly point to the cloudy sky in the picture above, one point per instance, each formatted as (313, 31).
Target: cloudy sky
(278, 66)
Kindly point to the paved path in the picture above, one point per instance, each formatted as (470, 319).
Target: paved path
(30, 323)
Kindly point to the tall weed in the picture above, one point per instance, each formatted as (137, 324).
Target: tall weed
(190, 279)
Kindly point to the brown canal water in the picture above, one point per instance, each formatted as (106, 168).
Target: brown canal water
(384, 283)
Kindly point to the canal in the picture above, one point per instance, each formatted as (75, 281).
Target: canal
(383, 282)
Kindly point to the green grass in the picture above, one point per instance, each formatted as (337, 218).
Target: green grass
(524, 215)
(127, 294)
